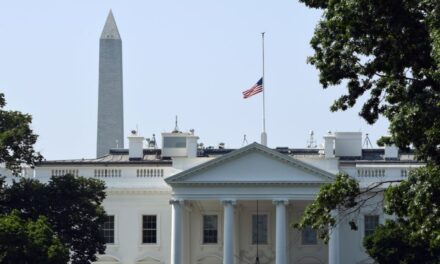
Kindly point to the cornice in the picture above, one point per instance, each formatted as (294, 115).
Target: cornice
(137, 191)
(278, 184)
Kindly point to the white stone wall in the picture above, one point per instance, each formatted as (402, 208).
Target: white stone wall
(128, 209)
(351, 241)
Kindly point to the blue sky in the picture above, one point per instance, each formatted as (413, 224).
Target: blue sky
(187, 58)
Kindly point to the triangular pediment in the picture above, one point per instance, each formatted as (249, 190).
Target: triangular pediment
(107, 259)
(148, 260)
(254, 163)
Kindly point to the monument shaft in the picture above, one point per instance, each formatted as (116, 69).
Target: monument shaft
(110, 97)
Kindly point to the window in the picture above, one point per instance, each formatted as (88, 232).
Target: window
(210, 230)
(371, 222)
(108, 229)
(149, 229)
(309, 236)
(174, 142)
(259, 229)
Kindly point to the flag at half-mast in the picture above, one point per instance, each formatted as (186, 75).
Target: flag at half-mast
(256, 88)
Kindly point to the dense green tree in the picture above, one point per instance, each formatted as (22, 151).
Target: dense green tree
(415, 203)
(389, 52)
(16, 139)
(72, 206)
(392, 243)
(27, 241)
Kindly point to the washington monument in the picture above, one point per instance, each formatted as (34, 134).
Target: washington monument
(110, 97)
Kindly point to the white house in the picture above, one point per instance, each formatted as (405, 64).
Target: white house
(183, 204)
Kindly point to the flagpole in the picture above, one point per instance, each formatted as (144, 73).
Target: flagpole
(263, 135)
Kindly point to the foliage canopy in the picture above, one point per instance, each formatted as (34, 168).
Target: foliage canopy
(71, 205)
(28, 241)
(16, 139)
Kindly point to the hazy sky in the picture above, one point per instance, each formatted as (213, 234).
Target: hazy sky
(190, 58)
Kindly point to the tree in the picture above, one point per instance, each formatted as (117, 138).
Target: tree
(16, 139)
(412, 237)
(391, 244)
(68, 206)
(71, 205)
(390, 52)
(28, 241)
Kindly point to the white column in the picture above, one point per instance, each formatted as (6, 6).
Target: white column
(176, 232)
(333, 244)
(280, 241)
(228, 232)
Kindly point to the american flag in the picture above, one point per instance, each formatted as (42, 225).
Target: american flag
(256, 88)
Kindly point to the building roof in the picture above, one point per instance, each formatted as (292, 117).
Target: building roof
(117, 157)
(153, 157)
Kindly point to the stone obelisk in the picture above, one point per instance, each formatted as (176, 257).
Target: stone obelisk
(110, 97)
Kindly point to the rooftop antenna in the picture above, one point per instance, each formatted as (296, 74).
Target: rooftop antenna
(152, 142)
(245, 142)
(367, 142)
(176, 127)
(117, 143)
(311, 143)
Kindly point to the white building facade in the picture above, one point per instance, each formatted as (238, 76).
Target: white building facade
(183, 204)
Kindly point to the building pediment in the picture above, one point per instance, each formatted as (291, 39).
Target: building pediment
(149, 260)
(107, 259)
(253, 164)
